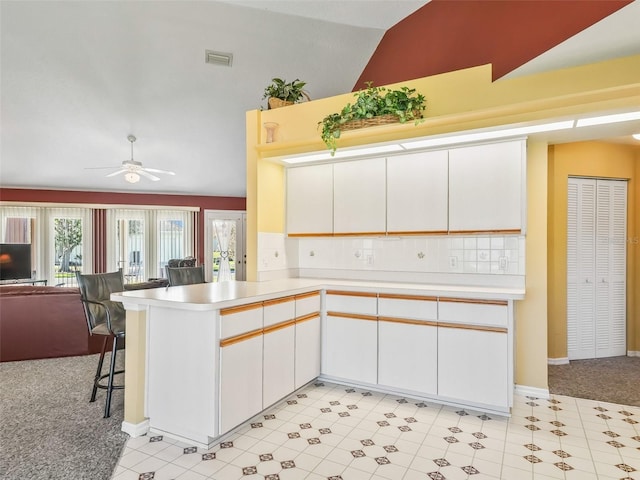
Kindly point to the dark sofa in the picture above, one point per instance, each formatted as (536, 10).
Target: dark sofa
(47, 322)
(43, 322)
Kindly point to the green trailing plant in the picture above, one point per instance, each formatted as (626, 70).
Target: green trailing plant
(404, 104)
(287, 91)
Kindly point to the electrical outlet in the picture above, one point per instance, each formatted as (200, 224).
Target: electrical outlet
(503, 262)
(453, 262)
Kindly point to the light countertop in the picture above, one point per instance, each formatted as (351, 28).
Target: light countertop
(213, 296)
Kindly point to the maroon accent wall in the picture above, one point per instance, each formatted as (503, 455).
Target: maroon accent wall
(111, 198)
(448, 35)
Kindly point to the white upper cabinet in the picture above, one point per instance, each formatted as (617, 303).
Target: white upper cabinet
(417, 193)
(486, 187)
(470, 189)
(359, 198)
(310, 199)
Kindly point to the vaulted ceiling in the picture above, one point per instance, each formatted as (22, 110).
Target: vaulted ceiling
(78, 77)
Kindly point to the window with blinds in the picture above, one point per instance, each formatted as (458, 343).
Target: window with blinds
(141, 242)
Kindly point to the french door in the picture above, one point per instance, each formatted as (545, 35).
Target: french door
(225, 247)
(596, 268)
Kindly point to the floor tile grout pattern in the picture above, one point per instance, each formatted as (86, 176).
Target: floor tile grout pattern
(334, 432)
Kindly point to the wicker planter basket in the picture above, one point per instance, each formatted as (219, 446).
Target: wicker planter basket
(369, 122)
(275, 102)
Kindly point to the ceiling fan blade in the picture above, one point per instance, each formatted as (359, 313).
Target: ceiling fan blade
(113, 174)
(157, 170)
(148, 175)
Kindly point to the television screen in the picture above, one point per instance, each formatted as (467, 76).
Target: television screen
(15, 261)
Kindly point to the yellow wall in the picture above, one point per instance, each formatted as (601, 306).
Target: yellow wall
(531, 314)
(589, 159)
(458, 101)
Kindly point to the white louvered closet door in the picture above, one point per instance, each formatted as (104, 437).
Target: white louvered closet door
(596, 268)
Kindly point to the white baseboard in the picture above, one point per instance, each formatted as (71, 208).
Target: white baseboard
(558, 361)
(136, 429)
(633, 353)
(535, 392)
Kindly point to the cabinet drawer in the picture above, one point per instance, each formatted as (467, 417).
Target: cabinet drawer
(406, 306)
(307, 303)
(241, 319)
(473, 312)
(279, 310)
(352, 302)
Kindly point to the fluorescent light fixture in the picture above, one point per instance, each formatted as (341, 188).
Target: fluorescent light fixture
(345, 153)
(488, 135)
(618, 117)
(447, 140)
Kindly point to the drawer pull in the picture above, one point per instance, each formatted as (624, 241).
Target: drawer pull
(351, 294)
(277, 301)
(305, 318)
(479, 328)
(240, 308)
(399, 296)
(240, 338)
(278, 326)
(409, 321)
(355, 316)
(300, 296)
(502, 303)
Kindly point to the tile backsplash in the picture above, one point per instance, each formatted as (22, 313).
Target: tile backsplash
(408, 256)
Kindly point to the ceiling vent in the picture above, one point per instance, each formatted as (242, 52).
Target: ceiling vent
(218, 58)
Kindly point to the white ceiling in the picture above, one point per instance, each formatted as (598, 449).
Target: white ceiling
(78, 77)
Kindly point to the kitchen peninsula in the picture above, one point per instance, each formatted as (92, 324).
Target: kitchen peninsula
(203, 359)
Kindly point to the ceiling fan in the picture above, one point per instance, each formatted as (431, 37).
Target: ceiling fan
(133, 170)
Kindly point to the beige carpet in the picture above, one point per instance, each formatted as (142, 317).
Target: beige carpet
(613, 379)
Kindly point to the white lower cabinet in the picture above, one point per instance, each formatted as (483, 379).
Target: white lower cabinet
(456, 350)
(308, 341)
(240, 390)
(279, 361)
(351, 351)
(408, 355)
(279, 349)
(473, 366)
(350, 337)
(474, 354)
(240, 381)
(307, 351)
(408, 343)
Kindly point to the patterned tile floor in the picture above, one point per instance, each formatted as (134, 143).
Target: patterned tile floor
(334, 432)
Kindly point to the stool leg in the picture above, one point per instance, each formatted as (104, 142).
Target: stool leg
(99, 370)
(112, 369)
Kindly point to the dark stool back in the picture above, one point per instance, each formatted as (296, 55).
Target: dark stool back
(107, 318)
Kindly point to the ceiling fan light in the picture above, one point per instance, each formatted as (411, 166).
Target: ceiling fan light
(132, 177)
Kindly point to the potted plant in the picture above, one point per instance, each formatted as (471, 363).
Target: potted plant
(282, 93)
(373, 106)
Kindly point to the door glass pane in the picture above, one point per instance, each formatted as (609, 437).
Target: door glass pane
(224, 250)
(130, 249)
(171, 242)
(68, 250)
